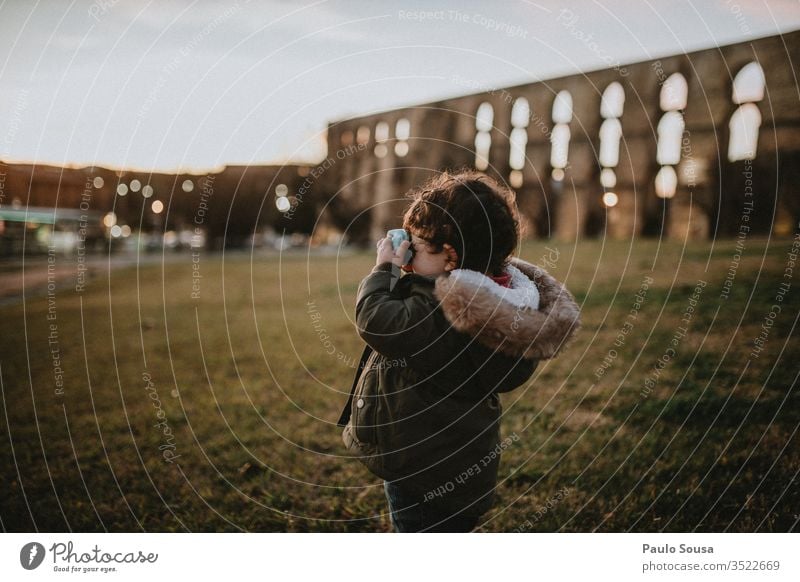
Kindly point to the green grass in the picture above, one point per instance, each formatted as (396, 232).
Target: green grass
(251, 393)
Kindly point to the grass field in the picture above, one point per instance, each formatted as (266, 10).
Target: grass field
(217, 413)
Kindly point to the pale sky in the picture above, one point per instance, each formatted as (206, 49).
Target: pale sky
(199, 84)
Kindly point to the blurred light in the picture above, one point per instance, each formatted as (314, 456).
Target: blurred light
(110, 219)
(362, 135)
(158, 206)
(559, 152)
(122, 189)
(116, 231)
(147, 191)
(562, 108)
(283, 204)
(613, 101)
(610, 199)
(515, 179)
(520, 113)
(170, 238)
(484, 117)
(687, 171)
(187, 186)
(608, 178)
(518, 142)
(743, 140)
(126, 230)
(666, 182)
(381, 151)
(692, 171)
(483, 146)
(402, 129)
(749, 84)
(670, 138)
(281, 190)
(381, 132)
(674, 93)
(135, 185)
(98, 182)
(401, 149)
(557, 174)
(610, 136)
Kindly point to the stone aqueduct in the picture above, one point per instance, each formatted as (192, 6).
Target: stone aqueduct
(688, 146)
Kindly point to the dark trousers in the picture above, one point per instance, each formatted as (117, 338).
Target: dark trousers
(410, 513)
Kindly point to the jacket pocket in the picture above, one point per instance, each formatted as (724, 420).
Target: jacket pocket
(365, 407)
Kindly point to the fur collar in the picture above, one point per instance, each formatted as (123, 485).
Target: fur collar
(522, 293)
(536, 318)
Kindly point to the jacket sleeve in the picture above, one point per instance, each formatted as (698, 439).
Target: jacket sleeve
(393, 326)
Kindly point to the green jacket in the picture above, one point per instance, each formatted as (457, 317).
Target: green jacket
(424, 409)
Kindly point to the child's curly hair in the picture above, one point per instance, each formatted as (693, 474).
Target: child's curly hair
(470, 211)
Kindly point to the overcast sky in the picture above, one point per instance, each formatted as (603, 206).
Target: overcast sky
(199, 84)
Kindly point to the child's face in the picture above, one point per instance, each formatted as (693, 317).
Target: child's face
(427, 261)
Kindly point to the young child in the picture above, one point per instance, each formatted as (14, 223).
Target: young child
(466, 323)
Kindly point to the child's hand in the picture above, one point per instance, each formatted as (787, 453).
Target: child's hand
(387, 254)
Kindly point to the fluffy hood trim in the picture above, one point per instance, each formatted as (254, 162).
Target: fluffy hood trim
(536, 318)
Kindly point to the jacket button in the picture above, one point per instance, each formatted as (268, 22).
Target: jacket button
(360, 403)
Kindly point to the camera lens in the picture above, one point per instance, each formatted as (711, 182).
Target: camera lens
(411, 251)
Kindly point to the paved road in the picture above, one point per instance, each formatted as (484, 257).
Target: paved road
(65, 269)
(33, 276)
